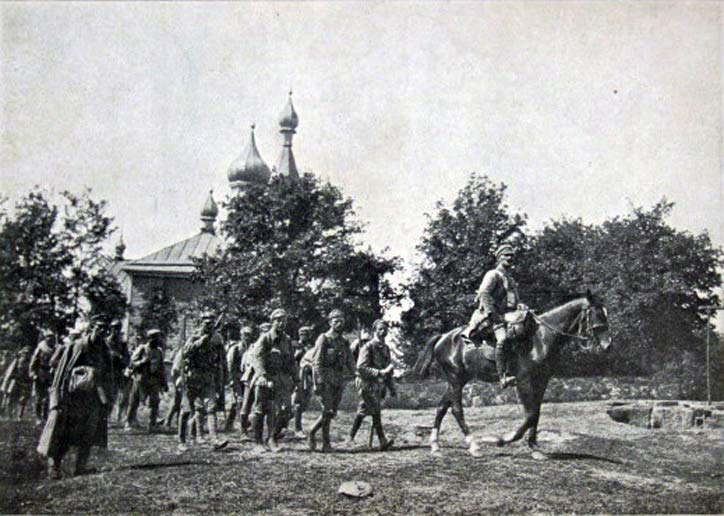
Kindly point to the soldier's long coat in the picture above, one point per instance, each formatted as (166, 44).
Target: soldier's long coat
(77, 419)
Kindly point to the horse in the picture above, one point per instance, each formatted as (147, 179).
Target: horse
(584, 319)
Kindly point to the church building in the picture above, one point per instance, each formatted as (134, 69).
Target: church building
(169, 271)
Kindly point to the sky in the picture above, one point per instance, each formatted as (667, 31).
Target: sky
(583, 110)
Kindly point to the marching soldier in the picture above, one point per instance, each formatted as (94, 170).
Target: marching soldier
(333, 365)
(272, 360)
(374, 376)
(40, 373)
(121, 384)
(177, 378)
(77, 397)
(203, 361)
(18, 385)
(497, 295)
(149, 378)
(305, 387)
(233, 364)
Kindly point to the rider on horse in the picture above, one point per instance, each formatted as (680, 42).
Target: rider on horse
(497, 295)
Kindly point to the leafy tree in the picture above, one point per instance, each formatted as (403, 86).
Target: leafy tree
(50, 263)
(653, 277)
(292, 244)
(457, 248)
(158, 311)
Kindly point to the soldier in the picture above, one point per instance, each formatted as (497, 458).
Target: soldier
(233, 364)
(497, 295)
(18, 386)
(40, 373)
(203, 361)
(272, 360)
(305, 387)
(333, 365)
(374, 376)
(77, 398)
(120, 358)
(149, 378)
(177, 378)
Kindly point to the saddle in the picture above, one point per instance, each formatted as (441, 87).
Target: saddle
(519, 325)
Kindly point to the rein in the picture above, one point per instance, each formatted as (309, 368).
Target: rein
(564, 334)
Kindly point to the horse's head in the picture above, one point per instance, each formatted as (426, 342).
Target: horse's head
(595, 323)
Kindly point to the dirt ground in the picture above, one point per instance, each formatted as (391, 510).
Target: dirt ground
(595, 466)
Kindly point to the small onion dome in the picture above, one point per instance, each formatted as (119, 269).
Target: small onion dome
(210, 209)
(209, 213)
(249, 167)
(289, 119)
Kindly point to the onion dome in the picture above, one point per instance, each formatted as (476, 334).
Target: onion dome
(289, 119)
(209, 213)
(120, 249)
(249, 167)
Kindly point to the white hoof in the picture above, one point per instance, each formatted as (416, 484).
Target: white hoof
(435, 449)
(473, 446)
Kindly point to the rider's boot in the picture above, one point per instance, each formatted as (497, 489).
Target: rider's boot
(501, 366)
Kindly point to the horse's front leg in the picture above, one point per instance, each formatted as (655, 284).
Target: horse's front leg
(531, 395)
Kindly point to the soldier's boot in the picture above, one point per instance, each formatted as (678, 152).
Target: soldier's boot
(153, 416)
(81, 461)
(257, 427)
(297, 417)
(230, 418)
(311, 441)
(183, 423)
(54, 472)
(355, 427)
(501, 364)
(385, 443)
(244, 422)
(326, 441)
(274, 429)
(216, 442)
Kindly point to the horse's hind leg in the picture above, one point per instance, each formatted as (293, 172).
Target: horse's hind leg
(442, 408)
(457, 409)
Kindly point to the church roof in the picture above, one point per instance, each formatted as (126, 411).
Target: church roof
(249, 167)
(176, 259)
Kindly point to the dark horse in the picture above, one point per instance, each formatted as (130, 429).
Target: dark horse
(583, 319)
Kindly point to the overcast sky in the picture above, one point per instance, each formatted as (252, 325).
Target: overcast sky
(581, 109)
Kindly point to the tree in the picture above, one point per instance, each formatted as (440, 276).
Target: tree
(158, 311)
(652, 276)
(50, 263)
(457, 248)
(292, 244)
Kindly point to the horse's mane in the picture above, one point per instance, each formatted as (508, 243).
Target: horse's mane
(565, 306)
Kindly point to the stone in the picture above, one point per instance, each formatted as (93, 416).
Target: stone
(355, 489)
(637, 415)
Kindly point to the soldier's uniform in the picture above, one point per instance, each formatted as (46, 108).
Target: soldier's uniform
(272, 361)
(121, 384)
(234, 356)
(204, 367)
(19, 386)
(41, 374)
(374, 377)
(497, 295)
(149, 378)
(177, 378)
(305, 386)
(333, 366)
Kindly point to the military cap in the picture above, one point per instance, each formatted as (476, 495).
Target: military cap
(247, 329)
(152, 332)
(504, 249)
(335, 314)
(207, 314)
(306, 329)
(46, 332)
(115, 323)
(378, 322)
(99, 319)
(265, 327)
(278, 313)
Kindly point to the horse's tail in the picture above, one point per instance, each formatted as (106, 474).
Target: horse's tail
(422, 365)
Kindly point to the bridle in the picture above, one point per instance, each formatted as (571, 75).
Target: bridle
(586, 329)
